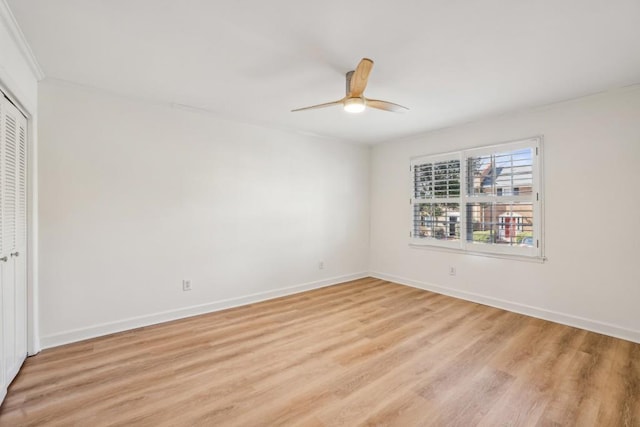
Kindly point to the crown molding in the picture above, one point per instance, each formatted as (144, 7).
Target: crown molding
(18, 37)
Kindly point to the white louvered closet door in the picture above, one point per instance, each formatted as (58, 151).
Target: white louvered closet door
(13, 237)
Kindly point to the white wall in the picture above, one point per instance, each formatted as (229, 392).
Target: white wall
(136, 197)
(592, 205)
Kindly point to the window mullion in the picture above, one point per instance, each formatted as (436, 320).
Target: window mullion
(464, 189)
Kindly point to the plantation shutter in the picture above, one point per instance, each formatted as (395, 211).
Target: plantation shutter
(11, 135)
(13, 180)
(436, 199)
(21, 186)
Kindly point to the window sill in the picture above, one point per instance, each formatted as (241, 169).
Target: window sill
(515, 257)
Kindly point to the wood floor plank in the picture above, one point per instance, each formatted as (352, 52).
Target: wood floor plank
(366, 352)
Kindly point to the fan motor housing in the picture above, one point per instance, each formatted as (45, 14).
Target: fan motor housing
(349, 74)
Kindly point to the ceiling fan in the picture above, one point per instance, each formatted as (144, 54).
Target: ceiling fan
(355, 101)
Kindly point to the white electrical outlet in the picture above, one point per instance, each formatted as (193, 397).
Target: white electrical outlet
(452, 271)
(321, 265)
(186, 285)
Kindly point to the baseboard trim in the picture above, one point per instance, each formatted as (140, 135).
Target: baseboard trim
(540, 313)
(76, 335)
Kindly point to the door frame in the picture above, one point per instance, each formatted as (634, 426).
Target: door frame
(30, 111)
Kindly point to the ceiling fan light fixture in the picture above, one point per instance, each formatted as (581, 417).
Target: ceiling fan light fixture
(355, 101)
(354, 105)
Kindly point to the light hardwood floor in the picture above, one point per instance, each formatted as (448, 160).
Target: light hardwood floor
(367, 352)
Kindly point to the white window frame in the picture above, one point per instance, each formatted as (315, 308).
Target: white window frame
(462, 245)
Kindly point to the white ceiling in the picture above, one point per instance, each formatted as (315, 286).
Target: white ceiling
(449, 61)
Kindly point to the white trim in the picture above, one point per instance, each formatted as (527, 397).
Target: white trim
(511, 255)
(166, 316)
(513, 145)
(434, 158)
(540, 313)
(12, 90)
(33, 311)
(169, 315)
(20, 40)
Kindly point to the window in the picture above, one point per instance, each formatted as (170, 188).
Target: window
(479, 200)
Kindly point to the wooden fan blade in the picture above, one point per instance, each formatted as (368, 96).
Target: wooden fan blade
(327, 104)
(386, 106)
(360, 77)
